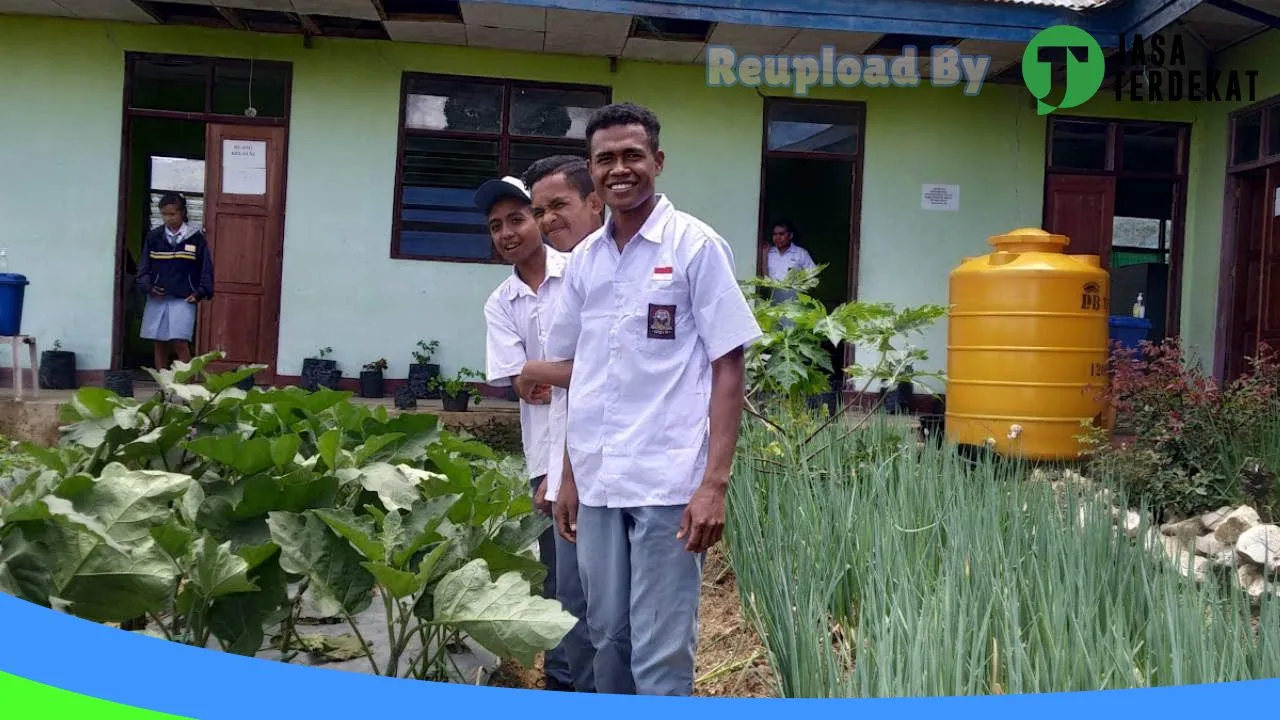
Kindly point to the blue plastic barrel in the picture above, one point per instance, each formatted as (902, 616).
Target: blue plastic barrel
(12, 290)
(1129, 331)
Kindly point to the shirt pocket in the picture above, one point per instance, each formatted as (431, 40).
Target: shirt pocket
(664, 321)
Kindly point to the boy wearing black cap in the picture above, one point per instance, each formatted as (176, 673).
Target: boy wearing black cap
(517, 314)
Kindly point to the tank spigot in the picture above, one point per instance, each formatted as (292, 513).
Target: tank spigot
(1014, 431)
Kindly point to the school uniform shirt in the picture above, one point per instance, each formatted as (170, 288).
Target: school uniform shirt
(517, 321)
(779, 263)
(642, 327)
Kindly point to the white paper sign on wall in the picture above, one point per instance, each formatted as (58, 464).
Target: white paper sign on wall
(940, 197)
(1276, 210)
(244, 167)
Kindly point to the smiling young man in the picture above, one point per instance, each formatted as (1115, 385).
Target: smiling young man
(654, 322)
(567, 209)
(516, 318)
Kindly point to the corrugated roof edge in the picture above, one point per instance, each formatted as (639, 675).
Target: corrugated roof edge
(1068, 4)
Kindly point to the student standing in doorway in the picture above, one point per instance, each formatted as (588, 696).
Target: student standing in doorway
(567, 209)
(785, 256)
(176, 273)
(654, 322)
(517, 314)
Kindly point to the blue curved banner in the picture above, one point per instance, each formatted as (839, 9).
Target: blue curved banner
(135, 670)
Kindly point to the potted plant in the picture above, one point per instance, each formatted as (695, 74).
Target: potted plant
(119, 382)
(455, 392)
(57, 368)
(371, 378)
(422, 371)
(318, 370)
(405, 399)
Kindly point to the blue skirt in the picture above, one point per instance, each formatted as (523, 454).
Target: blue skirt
(168, 318)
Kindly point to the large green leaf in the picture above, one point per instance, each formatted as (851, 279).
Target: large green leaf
(115, 571)
(395, 488)
(358, 531)
(216, 571)
(24, 568)
(247, 456)
(417, 529)
(309, 548)
(503, 615)
(237, 620)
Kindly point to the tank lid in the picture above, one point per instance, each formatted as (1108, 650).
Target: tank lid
(1029, 239)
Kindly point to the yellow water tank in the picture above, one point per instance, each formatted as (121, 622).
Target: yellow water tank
(1027, 347)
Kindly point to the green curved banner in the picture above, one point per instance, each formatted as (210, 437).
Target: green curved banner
(21, 699)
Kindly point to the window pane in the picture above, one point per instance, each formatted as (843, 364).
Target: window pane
(1143, 216)
(238, 85)
(169, 84)
(453, 105)
(1079, 145)
(553, 113)
(438, 217)
(523, 153)
(1248, 138)
(1146, 148)
(812, 127)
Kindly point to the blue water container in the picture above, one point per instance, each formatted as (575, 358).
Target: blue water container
(1129, 331)
(13, 288)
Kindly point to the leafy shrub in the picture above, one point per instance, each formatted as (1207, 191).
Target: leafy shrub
(217, 512)
(1190, 437)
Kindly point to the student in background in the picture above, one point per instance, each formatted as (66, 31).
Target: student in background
(568, 210)
(516, 317)
(176, 273)
(785, 256)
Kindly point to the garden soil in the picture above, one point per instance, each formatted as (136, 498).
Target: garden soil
(732, 661)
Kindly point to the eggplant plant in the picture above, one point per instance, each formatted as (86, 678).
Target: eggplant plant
(219, 514)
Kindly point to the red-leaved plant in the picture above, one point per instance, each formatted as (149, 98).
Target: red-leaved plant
(1186, 438)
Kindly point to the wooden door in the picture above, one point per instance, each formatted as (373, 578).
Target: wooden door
(1269, 263)
(1250, 205)
(244, 222)
(1082, 207)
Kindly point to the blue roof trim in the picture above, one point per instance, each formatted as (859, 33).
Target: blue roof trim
(979, 20)
(1147, 17)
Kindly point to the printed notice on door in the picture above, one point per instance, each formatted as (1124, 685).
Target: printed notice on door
(940, 197)
(1276, 210)
(244, 167)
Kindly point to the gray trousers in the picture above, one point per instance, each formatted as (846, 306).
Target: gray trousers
(643, 590)
(570, 662)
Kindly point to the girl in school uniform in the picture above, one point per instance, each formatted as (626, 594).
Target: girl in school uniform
(175, 273)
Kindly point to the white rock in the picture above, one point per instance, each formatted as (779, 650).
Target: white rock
(1132, 521)
(1187, 528)
(1211, 520)
(1234, 524)
(1193, 566)
(1251, 581)
(1177, 548)
(1261, 546)
(1209, 546)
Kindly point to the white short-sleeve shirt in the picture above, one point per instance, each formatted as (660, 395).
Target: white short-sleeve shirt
(517, 321)
(780, 263)
(642, 327)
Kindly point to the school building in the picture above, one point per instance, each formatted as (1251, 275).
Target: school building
(330, 148)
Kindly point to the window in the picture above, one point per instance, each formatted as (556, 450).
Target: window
(459, 132)
(1150, 149)
(1078, 145)
(218, 86)
(1248, 138)
(813, 127)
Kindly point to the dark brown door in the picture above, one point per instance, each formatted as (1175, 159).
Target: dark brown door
(1269, 310)
(1082, 207)
(1251, 207)
(244, 221)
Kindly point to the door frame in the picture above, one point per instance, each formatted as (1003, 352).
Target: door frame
(1181, 179)
(859, 109)
(1269, 161)
(128, 114)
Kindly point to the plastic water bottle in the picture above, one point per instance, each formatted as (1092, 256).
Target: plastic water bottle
(4, 260)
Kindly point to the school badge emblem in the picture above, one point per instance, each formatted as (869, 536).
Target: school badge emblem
(662, 322)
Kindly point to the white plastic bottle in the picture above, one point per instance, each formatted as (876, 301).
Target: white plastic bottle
(4, 260)
(1139, 309)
